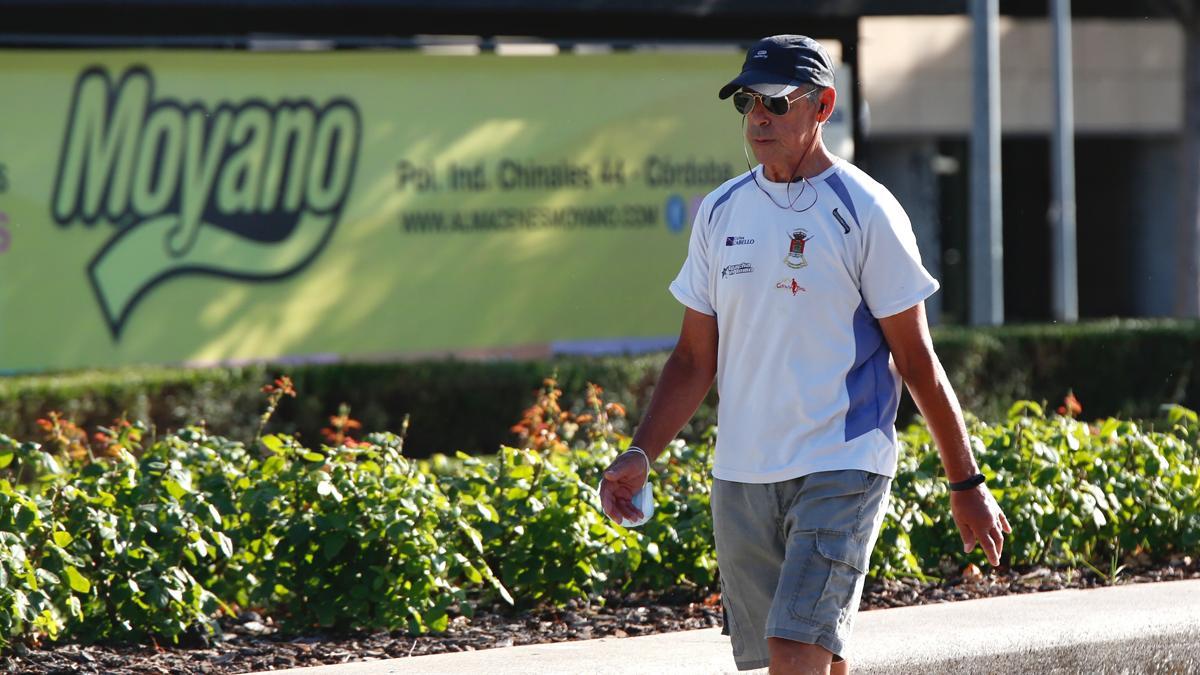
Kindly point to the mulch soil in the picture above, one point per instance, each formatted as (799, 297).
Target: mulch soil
(253, 643)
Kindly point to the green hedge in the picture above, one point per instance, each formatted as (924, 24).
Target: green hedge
(123, 536)
(453, 405)
(1127, 368)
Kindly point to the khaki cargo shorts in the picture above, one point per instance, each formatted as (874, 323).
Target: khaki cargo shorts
(793, 557)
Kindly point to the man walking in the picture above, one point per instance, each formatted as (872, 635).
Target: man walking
(804, 296)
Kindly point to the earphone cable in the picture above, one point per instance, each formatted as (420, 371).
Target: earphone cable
(790, 204)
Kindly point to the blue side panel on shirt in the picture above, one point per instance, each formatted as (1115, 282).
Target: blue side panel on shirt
(872, 389)
(725, 197)
(835, 182)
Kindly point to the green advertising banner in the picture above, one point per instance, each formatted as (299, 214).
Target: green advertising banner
(182, 206)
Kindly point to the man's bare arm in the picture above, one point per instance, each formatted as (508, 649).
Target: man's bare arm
(907, 335)
(976, 513)
(683, 384)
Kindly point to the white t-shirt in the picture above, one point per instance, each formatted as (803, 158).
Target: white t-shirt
(804, 374)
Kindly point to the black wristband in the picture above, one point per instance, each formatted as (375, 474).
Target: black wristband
(968, 484)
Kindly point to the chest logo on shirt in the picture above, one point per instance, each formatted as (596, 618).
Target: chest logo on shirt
(795, 257)
(738, 241)
(791, 285)
(734, 270)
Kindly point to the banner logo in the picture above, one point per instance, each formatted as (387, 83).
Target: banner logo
(250, 190)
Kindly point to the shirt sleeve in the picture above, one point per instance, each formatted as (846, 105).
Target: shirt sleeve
(892, 278)
(691, 287)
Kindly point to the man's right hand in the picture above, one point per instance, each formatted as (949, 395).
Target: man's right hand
(622, 480)
(685, 379)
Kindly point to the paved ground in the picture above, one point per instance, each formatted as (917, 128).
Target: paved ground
(1140, 628)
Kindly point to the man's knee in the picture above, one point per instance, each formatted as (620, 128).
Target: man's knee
(800, 658)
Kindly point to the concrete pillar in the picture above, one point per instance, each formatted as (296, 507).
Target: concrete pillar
(1064, 268)
(906, 168)
(1154, 191)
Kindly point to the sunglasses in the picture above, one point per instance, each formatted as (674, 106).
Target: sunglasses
(743, 101)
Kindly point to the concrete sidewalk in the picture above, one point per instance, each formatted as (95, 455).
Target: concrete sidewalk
(1138, 628)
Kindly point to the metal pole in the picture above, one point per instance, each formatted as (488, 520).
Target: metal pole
(1062, 175)
(850, 58)
(987, 242)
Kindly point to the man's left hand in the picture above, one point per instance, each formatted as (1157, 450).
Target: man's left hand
(981, 521)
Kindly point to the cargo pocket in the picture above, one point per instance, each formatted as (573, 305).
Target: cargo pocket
(727, 625)
(832, 580)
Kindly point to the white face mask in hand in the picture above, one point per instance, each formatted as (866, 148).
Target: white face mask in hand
(644, 502)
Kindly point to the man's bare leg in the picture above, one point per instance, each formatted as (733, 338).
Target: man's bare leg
(789, 657)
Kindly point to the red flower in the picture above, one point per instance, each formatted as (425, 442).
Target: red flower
(283, 386)
(1071, 406)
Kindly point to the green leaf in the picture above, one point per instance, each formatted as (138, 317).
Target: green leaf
(23, 516)
(273, 465)
(326, 614)
(200, 547)
(523, 471)
(468, 569)
(74, 607)
(224, 543)
(20, 605)
(1025, 409)
(311, 456)
(415, 624)
(440, 622)
(488, 512)
(6, 458)
(78, 582)
(50, 467)
(272, 443)
(62, 538)
(333, 545)
(496, 583)
(157, 597)
(472, 534)
(174, 488)
(47, 577)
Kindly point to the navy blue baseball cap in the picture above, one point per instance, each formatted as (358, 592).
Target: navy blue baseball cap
(775, 66)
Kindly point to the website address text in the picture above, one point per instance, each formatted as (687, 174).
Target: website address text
(626, 216)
